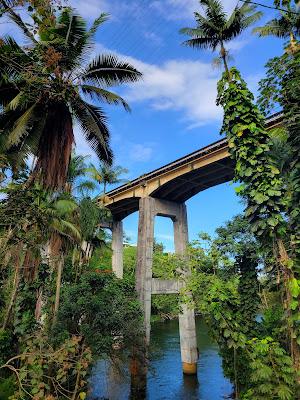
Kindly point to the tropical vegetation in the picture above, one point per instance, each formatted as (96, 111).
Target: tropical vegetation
(61, 307)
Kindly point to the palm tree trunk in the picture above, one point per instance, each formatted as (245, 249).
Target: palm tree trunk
(104, 187)
(60, 265)
(224, 58)
(13, 297)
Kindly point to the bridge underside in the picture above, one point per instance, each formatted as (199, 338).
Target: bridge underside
(188, 185)
(182, 188)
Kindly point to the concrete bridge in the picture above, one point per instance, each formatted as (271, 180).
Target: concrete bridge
(163, 192)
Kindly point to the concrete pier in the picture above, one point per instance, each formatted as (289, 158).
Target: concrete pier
(187, 326)
(149, 208)
(117, 248)
(146, 285)
(143, 273)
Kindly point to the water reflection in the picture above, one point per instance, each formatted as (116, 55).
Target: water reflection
(165, 380)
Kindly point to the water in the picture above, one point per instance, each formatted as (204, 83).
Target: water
(165, 378)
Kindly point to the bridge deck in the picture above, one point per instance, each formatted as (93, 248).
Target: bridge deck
(179, 180)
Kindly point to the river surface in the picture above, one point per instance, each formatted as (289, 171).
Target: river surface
(165, 379)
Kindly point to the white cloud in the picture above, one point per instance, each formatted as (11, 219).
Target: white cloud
(183, 9)
(140, 152)
(237, 44)
(91, 9)
(185, 86)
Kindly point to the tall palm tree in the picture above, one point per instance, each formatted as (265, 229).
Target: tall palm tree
(215, 28)
(76, 182)
(287, 26)
(107, 175)
(44, 88)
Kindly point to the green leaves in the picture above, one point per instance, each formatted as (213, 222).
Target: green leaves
(262, 187)
(40, 363)
(294, 286)
(272, 375)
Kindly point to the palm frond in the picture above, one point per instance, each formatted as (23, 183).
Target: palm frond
(202, 43)
(93, 123)
(21, 127)
(17, 19)
(14, 103)
(289, 22)
(108, 70)
(251, 19)
(70, 27)
(66, 228)
(193, 32)
(98, 21)
(77, 167)
(64, 206)
(8, 92)
(273, 28)
(85, 186)
(104, 95)
(214, 11)
(80, 49)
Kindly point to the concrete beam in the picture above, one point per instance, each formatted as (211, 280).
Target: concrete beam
(166, 286)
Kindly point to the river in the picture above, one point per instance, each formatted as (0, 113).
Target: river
(165, 379)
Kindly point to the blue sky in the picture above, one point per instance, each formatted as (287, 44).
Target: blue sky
(173, 107)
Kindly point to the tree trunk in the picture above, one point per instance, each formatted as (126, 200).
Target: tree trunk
(19, 262)
(287, 275)
(38, 305)
(223, 56)
(60, 265)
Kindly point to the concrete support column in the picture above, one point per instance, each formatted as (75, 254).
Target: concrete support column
(187, 326)
(144, 258)
(117, 248)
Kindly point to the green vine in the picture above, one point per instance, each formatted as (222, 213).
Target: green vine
(262, 185)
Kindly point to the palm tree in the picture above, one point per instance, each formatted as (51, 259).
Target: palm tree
(77, 170)
(215, 28)
(44, 89)
(107, 175)
(47, 218)
(287, 26)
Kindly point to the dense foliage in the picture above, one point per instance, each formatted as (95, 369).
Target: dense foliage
(61, 307)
